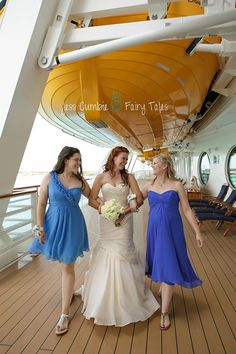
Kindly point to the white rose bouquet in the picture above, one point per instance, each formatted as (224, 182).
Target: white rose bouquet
(112, 209)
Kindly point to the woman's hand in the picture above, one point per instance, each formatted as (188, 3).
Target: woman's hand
(101, 203)
(41, 236)
(100, 209)
(119, 220)
(199, 239)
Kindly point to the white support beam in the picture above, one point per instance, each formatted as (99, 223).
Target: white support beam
(175, 31)
(230, 67)
(22, 82)
(78, 37)
(225, 83)
(106, 8)
(209, 48)
(55, 35)
(224, 49)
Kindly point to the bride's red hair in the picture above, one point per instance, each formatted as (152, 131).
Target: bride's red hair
(109, 165)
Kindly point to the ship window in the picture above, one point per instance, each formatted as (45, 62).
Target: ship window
(204, 168)
(231, 167)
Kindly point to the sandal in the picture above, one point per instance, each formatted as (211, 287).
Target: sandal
(163, 327)
(61, 326)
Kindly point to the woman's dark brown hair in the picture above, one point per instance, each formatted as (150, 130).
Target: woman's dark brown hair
(66, 153)
(109, 165)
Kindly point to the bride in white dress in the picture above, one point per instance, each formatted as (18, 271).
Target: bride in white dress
(114, 290)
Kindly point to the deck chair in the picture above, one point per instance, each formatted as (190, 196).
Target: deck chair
(218, 207)
(210, 199)
(229, 218)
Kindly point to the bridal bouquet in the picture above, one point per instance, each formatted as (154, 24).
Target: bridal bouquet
(112, 209)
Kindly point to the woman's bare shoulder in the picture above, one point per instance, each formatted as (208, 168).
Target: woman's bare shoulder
(100, 177)
(177, 185)
(46, 178)
(147, 185)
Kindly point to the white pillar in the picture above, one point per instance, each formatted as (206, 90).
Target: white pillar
(22, 82)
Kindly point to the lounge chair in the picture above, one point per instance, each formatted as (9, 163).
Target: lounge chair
(229, 218)
(218, 207)
(207, 200)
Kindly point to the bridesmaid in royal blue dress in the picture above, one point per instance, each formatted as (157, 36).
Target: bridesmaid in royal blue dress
(61, 230)
(167, 258)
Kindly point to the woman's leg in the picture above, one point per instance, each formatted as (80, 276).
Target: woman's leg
(68, 281)
(166, 294)
(159, 291)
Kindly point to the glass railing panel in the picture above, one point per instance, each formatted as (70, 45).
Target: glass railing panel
(17, 217)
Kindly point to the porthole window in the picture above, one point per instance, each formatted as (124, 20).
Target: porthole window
(231, 167)
(204, 168)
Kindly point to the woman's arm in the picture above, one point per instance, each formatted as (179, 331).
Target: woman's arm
(144, 190)
(135, 190)
(86, 189)
(94, 200)
(134, 203)
(41, 207)
(188, 213)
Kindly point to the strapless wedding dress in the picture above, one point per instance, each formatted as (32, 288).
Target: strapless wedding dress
(114, 291)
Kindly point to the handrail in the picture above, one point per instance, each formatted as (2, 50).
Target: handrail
(16, 194)
(27, 187)
(26, 190)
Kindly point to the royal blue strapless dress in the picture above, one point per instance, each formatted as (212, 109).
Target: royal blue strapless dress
(65, 228)
(167, 258)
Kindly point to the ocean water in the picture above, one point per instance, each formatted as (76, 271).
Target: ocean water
(27, 179)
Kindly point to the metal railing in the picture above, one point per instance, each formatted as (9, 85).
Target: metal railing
(17, 217)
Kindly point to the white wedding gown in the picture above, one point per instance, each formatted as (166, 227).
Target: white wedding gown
(114, 291)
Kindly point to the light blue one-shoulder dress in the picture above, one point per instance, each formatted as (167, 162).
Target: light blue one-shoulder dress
(65, 228)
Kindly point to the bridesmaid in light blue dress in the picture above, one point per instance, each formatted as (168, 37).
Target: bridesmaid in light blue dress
(61, 230)
(167, 258)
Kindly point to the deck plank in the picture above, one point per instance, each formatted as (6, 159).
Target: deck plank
(4, 348)
(198, 336)
(110, 340)
(217, 301)
(23, 279)
(125, 338)
(168, 338)
(153, 339)
(21, 314)
(183, 334)
(95, 340)
(139, 343)
(82, 338)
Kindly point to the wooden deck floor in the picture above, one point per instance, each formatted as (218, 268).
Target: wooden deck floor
(203, 319)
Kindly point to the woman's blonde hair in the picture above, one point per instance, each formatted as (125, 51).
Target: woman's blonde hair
(166, 159)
